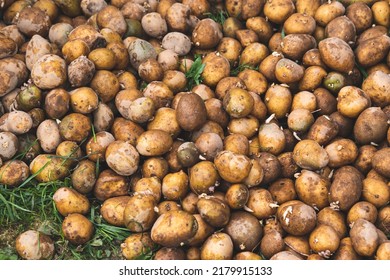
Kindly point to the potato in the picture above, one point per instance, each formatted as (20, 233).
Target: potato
(287, 71)
(8, 47)
(238, 103)
(139, 51)
(377, 87)
(312, 78)
(214, 211)
(271, 244)
(36, 48)
(177, 42)
(299, 245)
(49, 137)
(294, 46)
(103, 118)
(367, 56)
(254, 81)
(105, 84)
(110, 184)
(90, 7)
(160, 94)
(170, 254)
(48, 168)
(13, 172)
(8, 82)
(122, 157)
(12, 32)
(379, 162)
(165, 230)
(278, 11)
(310, 155)
(346, 251)
(74, 49)
(103, 58)
(218, 246)
(203, 232)
(148, 186)
(307, 7)
(232, 167)
(271, 138)
(136, 245)
(111, 17)
(296, 217)
(191, 112)
(139, 214)
(77, 229)
(312, 189)
(380, 12)
(337, 54)
(154, 25)
(328, 11)
(260, 203)
(16, 67)
(83, 177)
(300, 120)
(49, 72)
(9, 143)
(364, 238)
(362, 210)
(253, 54)
(341, 152)
(262, 27)
(206, 34)
(154, 143)
(285, 255)
(32, 20)
(352, 101)
(216, 68)
(343, 28)
(68, 201)
(34, 245)
(203, 177)
(383, 251)
(333, 218)
(75, 127)
(126, 130)
(346, 187)
(278, 100)
(324, 240)
(299, 23)
(57, 103)
(97, 145)
(367, 131)
(376, 191)
(360, 15)
(244, 230)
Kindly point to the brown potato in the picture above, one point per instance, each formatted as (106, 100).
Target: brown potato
(364, 238)
(361, 16)
(285, 255)
(341, 152)
(177, 42)
(299, 23)
(238, 103)
(278, 11)
(262, 27)
(380, 162)
(362, 210)
(368, 55)
(367, 131)
(337, 54)
(206, 34)
(122, 157)
(110, 184)
(343, 28)
(253, 54)
(77, 229)
(271, 244)
(346, 250)
(137, 244)
(376, 192)
(310, 155)
(203, 232)
(380, 12)
(154, 143)
(74, 49)
(377, 87)
(68, 201)
(271, 138)
(333, 218)
(75, 127)
(49, 72)
(139, 214)
(13, 172)
(328, 11)
(383, 251)
(105, 84)
(97, 145)
(174, 228)
(260, 203)
(48, 168)
(34, 245)
(83, 177)
(160, 94)
(216, 68)
(232, 167)
(324, 240)
(312, 78)
(191, 112)
(294, 46)
(312, 189)
(278, 100)
(32, 20)
(218, 246)
(254, 81)
(214, 211)
(287, 71)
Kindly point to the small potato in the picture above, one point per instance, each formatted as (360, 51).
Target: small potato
(296, 217)
(346, 250)
(126, 130)
(278, 100)
(139, 51)
(170, 254)
(103, 118)
(341, 152)
(238, 103)
(260, 203)
(283, 190)
(364, 238)
(49, 72)
(294, 46)
(48, 168)
(154, 25)
(150, 70)
(287, 71)
(105, 84)
(36, 48)
(237, 196)
(9, 143)
(83, 177)
(367, 131)
(271, 244)
(214, 211)
(300, 120)
(346, 187)
(168, 60)
(160, 94)
(110, 184)
(380, 162)
(167, 206)
(324, 240)
(83, 100)
(203, 232)
(75, 127)
(13, 172)
(136, 245)
(328, 11)
(203, 177)
(34, 245)
(177, 42)
(299, 23)
(122, 157)
(68, 201)
(111, 17)
(206, 34)
(103, 58)
(337, 54)
(175, 186)
(139, 214)
(271, 138)
(368, 55)
(377, 87)
(48, 134)
(57, 103)
(299, 245)
(154, 143)
(97, 145)
(380, 12)
(8, 82)
(310, 155)
(262, 27)
(312, 189)
(81, 71)
(232, 167)
(375, 191)
(16, 67)
(77, 229)
(383, 251)
(362, 210)
(191, 112)
(352, 101)
(141, 110)
(254, 81)
(245, 231)
(323, 130)
(218, 246)
(74, 49)
(253, 54)
(174, 228)
(216, 68)
(278, 11)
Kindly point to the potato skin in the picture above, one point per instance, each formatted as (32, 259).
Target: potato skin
(337, 54)
(191, 112)
(34, 245)
(364, 238)
(49, 72)
(139, 214)
(122, 157)
(154, 143)
(13, 172)
(174, 228)
(218, 246)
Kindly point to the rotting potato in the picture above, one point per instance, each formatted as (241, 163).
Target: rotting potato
(49, 72)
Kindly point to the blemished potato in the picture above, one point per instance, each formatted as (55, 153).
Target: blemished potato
(253, 54)
(148, 186)
(216, 68)
(271, 244)
(238, 103)
(83, 177)
(383, 251)
(58, 33)
(16, 67)
(328, 11)
(203, 177)
(139, 214)
(68, 201)
(81, 71)
(364, 238)
(48, 168)
(9, 143)
(74, 49)
(175, 185)
(337, 54)
(310, 155)
(203, 232)
(341, 152)
(111, 17)
(271, 138)
(218, 246)
(296, 217)
(75, 127)
(361, 16)
(97, 145)
(367, 131)
(346, 187)
(278, 100)
(261, 26)
(167, 206)
(174, 228)
(288, 71)
(103, 118)
(154, 25)
(334, 219)
(376, 192)
(13, 172)
(154, 143)
(206, 34)
(341, 27)
(298, 245)
(177, 42)
(312, 189)
(49, 72)
(260, 203)
(36, 48)
(312, 78)
(105, 84)
(362, 210)
(77, 229)
(283, 190)
(346, 250)
(278, 11)
(232, 167)
(48, 134)
(377, 87)
(110, 184)
(122, 157)
(160, 94)
(254, 81)
(136, 245)
(32, 20)
(367, 56)
(245, 231)
(139, 51)
(380, 12)
(34, 245)
(57, 103)
(324, 240)
(352, 101)
(380, 162)
(214, 211)
(294, 46)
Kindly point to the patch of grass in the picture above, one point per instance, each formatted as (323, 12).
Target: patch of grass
(194, 74)
(283, 33)
(242, 67)
(218, 16)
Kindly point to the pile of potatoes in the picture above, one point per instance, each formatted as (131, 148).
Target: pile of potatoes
(281, 152)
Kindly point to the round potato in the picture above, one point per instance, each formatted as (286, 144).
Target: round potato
(122, 157)
(218, 246)
(34, 245)
(70, 201)
(337, 54)
(77, 229)
(139, 214)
